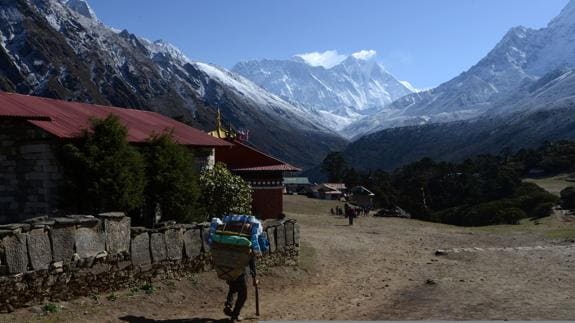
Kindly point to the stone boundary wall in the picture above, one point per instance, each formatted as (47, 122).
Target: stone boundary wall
(51, 259)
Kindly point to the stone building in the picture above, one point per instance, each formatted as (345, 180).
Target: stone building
(329, 191)
(297, 185)
(362, 197)
(30, 128)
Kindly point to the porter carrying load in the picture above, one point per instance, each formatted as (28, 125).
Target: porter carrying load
(233, 242)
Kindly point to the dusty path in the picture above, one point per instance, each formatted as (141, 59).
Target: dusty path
(382, 269)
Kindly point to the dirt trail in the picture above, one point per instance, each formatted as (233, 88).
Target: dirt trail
(382, 269)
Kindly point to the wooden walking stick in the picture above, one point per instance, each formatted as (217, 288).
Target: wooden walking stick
(257, 299)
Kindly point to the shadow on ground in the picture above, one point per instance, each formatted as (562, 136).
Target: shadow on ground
(141, 319)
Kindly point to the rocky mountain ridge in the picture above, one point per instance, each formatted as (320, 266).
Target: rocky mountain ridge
(59, 49)
(522, 56)
(341, 94)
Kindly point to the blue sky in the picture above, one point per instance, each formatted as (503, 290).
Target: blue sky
(425, 42)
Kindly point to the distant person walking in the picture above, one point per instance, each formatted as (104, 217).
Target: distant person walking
(349, 213)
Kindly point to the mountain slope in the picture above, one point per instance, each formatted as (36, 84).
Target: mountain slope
(538, 110)
(455, 141)
(58, 49)
(339, 94)
(523, 55)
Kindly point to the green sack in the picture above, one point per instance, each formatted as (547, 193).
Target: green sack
(232, 240)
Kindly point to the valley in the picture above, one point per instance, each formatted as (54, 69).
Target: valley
(476, 164)
(378, 269)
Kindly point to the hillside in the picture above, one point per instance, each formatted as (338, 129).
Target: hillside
(59, 49)
(455, 141)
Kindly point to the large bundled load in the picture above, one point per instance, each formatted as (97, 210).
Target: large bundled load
(233, 241)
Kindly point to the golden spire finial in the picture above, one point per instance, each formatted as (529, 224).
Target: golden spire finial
(219, 132)
(218, 121)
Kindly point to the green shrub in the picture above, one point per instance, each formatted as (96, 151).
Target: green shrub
(171, 180)
(534, 200)
(148, 288)
(224, 193)
(448, 216)
(503, 211)
(489, 213)
(509, 216)
(568, 198)
(543, 209)
(51, 308)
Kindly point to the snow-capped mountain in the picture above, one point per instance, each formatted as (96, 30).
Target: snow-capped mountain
(59, 49)
(356, 87)
(523, 56)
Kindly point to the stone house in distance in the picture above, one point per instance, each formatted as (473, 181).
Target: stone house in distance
(297, 185)
(30, 127)
(329, 191)
(362, 197)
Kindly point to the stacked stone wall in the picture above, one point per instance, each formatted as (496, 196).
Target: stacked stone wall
(50, 259)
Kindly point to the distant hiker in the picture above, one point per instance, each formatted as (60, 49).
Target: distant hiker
(349, 213)
(239, 286)
(331, 211)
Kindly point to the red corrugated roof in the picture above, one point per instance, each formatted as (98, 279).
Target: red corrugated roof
(241, 157)
(280, 167)
(68, 119)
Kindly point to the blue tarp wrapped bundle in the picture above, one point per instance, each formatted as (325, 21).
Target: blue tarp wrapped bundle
(233, 240)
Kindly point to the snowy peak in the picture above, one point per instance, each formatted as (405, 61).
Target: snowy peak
(363, 69)
(410, 87)
(165, 48)
(523, 57)
(81, 7)
(354, 87)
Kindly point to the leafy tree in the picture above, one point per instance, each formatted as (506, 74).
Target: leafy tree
(552, 157)
(172, 182)
(224, 193)
(334, 166)
(352, 178)
(379, 182)
(102, 171)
